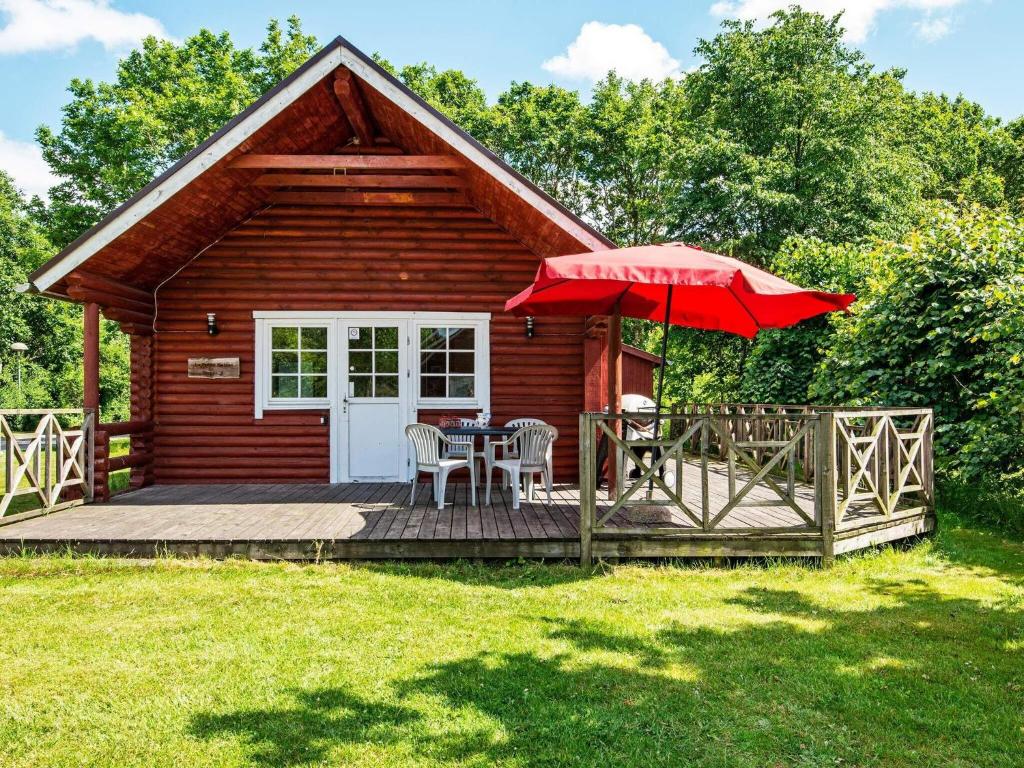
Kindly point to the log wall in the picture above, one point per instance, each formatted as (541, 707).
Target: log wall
(344, 259)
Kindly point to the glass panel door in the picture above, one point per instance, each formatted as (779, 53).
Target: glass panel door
(374, 389)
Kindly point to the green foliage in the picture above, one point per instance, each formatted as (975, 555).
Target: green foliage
(791, 135)
(539, 131)
(782, 363)
(942, 324)
(52, 330)
(631, 141)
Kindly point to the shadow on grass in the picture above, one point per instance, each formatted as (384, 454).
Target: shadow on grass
(973, 547)
(307, 732)
(918, 679)
(498, 574)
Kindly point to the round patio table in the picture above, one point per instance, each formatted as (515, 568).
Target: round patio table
(478, 431)
(485, 432)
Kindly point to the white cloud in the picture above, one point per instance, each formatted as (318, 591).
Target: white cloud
(934, 28)
(626, 48)
(858, 15)
(23, 161)
(50, 25)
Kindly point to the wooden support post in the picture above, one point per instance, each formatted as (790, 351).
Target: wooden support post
(588, 489)
(91, 357)
(825, 501)
(91, 391)
(614, 395)
(142, 407)
(347, 92)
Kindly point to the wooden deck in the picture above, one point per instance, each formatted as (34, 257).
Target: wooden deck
(375, 520)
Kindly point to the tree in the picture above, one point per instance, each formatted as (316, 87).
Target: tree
(166, 99)
(941, 325)
(791, 136)
(449, 91)
(964, 152)
(782, 363)
(631, 141)
(538, 130)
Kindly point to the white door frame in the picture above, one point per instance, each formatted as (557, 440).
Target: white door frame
(340, 433)
(408, 371)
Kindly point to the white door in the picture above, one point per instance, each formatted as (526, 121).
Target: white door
(373, 400)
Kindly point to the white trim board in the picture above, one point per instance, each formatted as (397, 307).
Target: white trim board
(412, 321)
(336, 54)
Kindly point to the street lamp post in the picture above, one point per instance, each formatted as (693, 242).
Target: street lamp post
(19, 348)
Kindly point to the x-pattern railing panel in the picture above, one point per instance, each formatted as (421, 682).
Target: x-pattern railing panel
(764, 458)
(884, 464)
(46, 461)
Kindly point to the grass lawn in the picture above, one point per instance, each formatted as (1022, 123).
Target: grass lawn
(889, 659)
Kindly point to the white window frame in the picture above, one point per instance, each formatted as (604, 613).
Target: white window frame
(264, 400)
(414, 321)
(481, 365)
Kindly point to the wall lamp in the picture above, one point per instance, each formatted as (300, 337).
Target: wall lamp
(529, 327)
(211, 323)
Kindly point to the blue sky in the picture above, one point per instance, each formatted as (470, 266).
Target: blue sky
(968, 46)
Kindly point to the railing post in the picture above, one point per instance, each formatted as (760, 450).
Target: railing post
(89, 452)
(825, 499)
(588, 489)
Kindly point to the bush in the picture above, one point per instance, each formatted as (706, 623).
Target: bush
(941, 324)
(979, 505)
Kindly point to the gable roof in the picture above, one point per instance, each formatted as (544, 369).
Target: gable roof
(199, 198)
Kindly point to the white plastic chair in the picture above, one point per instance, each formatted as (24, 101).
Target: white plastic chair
(463, 446)
(512, 451)
(426, 442)
(534, 443)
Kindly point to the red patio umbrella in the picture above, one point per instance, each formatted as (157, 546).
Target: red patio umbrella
(676, 284)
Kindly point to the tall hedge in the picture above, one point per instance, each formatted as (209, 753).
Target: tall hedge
(941, 324)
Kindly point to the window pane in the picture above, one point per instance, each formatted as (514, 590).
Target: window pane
(314, 362)
(433, 338)
(284, 338)
(361, 386)
(314, 338)
(386, 337)
(433, 362)
(360, 338)
(387, 362)
(314, 386)
(460, 362)
(284, 362)
(387, 386)
(284, 386)
(461, 338)
(432, 386)
(460, 386)
(360, 362)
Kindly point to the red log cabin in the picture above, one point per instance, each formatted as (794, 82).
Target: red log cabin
(327, 268)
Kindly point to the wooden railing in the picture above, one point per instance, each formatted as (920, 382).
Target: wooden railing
(829, 469)
(139, 457)
(47, 465)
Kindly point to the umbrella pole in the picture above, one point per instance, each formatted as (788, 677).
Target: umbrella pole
(614, 395)
(656, 452)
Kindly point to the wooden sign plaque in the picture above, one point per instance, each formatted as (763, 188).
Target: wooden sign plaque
(214, 368)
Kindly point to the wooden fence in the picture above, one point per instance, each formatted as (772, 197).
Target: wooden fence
(831, 471)
(47, 464)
